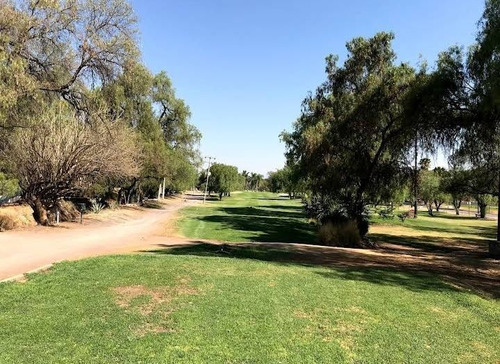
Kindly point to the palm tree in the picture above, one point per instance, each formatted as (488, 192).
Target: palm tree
(246, 175)
(255, 181)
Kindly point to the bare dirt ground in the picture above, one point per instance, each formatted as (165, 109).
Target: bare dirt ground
(114, 231)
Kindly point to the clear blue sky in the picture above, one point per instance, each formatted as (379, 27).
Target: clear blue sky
(244, 67)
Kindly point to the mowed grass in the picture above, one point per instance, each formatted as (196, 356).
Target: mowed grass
(195, 306)
(442, 224)
(246, 217)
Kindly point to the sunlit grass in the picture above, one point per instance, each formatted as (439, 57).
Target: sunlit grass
(198, 307)
(248, 216)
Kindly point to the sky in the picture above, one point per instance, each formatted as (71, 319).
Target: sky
(244, 67)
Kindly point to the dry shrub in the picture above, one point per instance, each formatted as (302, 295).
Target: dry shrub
(67, 212)
(343, 234)
(7, 223)
(13, 217)
(112, 204)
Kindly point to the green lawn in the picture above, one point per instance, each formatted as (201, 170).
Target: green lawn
(443, 223)
(248, 216)
(194, 306)
(253, 303)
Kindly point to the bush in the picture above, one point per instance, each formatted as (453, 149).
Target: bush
(112, 204)
(7, 223)
(340, 233)
(151, 204)
(13, 217)
(67, 212)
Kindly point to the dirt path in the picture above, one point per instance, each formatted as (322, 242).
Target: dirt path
(27, 250)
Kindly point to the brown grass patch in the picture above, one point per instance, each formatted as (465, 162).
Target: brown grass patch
(154, 297)
(330, 329)
(150, 328)
(148, 301)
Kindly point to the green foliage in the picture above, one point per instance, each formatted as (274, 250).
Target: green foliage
(223, 179)
(96, 206)
(432, 188)
(286, 180)
(169, 142)
(455, 183)
(8, 186)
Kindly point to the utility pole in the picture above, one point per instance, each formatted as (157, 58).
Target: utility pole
(208, 176)
(415, 179)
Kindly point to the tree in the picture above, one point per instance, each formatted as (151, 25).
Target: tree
(168, 142)
(223, 179)
(431, 189)
(255, 180)
(285, 180)
(59, 49)
(352, 137)
(246, 176)
(463, 97)
(59, 156)
(173, 117)
(455, 183)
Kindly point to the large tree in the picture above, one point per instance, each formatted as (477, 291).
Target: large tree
(352, 138)
(59, 156)
(223, 179)
(463, 96)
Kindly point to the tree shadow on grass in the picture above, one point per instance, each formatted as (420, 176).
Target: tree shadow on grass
(474, 248)
(413, 264)
(273, 228)
(345, 263)
(285, 207)
(270, 211)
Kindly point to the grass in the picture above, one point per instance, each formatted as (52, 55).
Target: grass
(194, 305)
(265, 303)
(246, 217)
(443, 224)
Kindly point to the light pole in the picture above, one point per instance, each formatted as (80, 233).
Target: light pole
(208, 176)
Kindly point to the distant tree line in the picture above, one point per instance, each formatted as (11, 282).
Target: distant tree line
(80, 115)
(361, 134)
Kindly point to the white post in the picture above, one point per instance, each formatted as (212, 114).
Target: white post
(57, 216)
(164, 183)
(159, 191)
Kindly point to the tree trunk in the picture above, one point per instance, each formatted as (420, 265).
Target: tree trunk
(220, 196)
(39, 212)
(482, 210)
(494, 246)
(438, 204)
(456, 205)
(429, 208)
